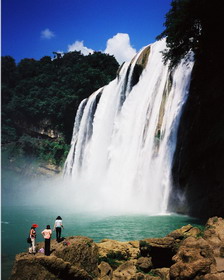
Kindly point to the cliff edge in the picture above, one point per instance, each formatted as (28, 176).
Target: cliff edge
(199, 156)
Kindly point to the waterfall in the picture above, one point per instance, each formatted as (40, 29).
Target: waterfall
(125, 134)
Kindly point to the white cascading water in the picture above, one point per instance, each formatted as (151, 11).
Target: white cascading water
(124, 138)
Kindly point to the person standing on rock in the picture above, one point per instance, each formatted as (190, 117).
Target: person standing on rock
(47, 236)
(32, 248)
(58, 226)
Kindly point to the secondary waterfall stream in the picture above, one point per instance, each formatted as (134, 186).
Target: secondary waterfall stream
(125, 134)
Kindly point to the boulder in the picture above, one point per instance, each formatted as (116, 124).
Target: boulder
(214, 276)
(144, 264)
(123, 250)
(105, 271)
(163, 273)
(81, 251)
(184, 232)
(41, 267)
(75, 258)
(125, 271)
(214, 233)
(193, 260)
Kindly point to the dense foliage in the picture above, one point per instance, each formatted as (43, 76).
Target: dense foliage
(191, 25)
(46, 93)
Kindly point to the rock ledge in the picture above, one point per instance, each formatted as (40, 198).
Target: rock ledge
(186, 253)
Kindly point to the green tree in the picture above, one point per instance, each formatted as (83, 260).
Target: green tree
(192, 25)
(48, 92)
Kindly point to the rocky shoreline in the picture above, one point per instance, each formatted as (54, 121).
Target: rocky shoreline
(186, 253)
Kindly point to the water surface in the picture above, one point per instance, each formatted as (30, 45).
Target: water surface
(16, 222)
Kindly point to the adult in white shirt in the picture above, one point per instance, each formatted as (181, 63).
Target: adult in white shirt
(58, 226)
(47, 237)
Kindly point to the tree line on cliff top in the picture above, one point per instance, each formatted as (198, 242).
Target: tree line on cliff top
(36, 91)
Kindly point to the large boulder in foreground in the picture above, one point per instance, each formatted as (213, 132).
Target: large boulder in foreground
(42, 267)
(81, 252)
(193, 260)
(77, 258)
(214, 234)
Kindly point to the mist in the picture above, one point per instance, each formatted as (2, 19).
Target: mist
(73, 196)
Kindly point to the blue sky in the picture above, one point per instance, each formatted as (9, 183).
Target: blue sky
(35, 28)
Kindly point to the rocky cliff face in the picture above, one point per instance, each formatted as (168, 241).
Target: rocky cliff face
(43, 129)
(199, 157)
(185, 254)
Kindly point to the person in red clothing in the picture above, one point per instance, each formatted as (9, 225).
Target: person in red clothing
(47, 237)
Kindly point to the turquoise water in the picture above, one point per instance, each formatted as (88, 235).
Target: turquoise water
(16, 222)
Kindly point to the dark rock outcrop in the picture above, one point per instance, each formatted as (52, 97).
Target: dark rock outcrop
(160, 249)
(198, 160)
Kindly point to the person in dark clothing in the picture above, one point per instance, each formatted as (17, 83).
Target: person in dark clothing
(47, 236)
